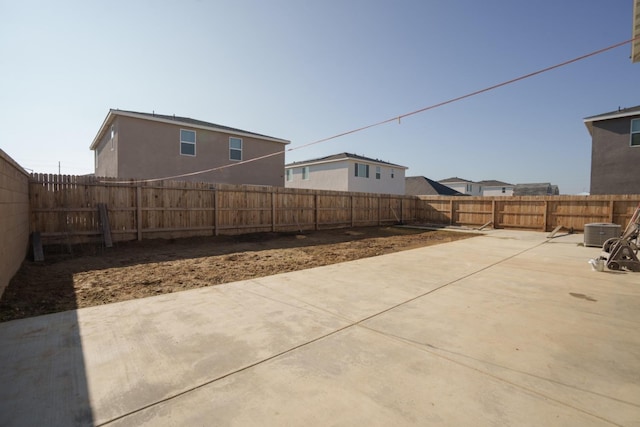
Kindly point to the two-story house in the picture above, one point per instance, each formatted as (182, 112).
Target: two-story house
(346, 172)
(133, 145)
(615, 151)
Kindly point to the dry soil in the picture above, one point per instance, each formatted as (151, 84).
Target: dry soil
(89, 275)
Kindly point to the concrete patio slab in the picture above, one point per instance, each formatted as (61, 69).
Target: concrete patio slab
(509, 328)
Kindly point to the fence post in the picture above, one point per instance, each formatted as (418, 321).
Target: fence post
(216, 219)
(139, 211)
(315, 211)
(545, 216)
(611, 206)
(379, 211)
(273, 210)
(451, 211)
(352, 212)
(494, 217)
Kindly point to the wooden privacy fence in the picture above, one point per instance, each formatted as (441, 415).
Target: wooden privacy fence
(541, 213)
(65, 209)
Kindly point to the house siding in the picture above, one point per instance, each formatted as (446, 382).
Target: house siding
(328, 176)
(340, 176)
(614, 162)
(497, 191)
(106, 154)
(384, 185)
(476, 190)
(147, 149)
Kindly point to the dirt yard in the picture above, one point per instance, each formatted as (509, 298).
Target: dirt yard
(92, 275)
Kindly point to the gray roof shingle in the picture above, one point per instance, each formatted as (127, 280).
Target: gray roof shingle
(423, 186)
(344, 156)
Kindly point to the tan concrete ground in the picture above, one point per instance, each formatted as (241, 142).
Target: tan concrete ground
(505, 329)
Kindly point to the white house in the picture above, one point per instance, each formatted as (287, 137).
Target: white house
(496, 188)
(346, 172)
(463, 186)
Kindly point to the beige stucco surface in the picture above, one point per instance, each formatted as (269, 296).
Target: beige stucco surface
(14, 218)
(147, 149)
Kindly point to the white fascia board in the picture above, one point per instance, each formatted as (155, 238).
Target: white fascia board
(614, 115)
(102, 130)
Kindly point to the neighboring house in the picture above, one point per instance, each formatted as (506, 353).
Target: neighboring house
(615, 151)
(537, 189)
(496, 188)
(346, 172)
(423, 186)
(463, 186)
(132, 145)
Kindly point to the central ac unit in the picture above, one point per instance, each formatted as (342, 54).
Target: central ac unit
(597, 233)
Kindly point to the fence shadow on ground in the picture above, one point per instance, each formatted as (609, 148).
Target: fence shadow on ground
(43, 373)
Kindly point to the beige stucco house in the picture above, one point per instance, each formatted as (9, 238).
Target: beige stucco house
(347, 172)
(133, 145)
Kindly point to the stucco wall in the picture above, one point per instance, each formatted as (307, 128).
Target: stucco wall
(385, 185)
(614, 162)
(147, 149)
(14, 218)
(327, 176)
(340, 176)
(497, 191)
(106, 153)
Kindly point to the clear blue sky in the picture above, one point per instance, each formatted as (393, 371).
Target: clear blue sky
(303, 71)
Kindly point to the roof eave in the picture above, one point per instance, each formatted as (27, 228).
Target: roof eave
(343, 159)
(113, 113)
(102, 130)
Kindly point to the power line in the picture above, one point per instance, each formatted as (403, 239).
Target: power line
(397, 118)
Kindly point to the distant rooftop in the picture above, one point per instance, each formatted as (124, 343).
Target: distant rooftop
(494, 183)
(453, 180)
(423, 186)
(344, 156)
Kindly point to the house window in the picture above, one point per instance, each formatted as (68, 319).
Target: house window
(289, 174)
(362, 170)
(187, 142)
(235, 148)
(635, 132)
(113, 134)
(393, 173)
(378, 172)
(305, 172)
(504, 190)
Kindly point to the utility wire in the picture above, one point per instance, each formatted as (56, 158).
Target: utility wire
(396, 118)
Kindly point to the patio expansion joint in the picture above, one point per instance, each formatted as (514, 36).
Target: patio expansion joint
(350, 324)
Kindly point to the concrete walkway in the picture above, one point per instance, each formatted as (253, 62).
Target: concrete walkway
(508, 328)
